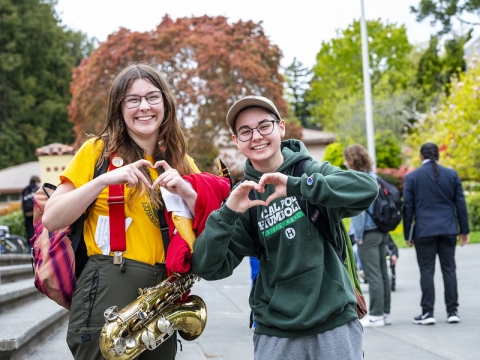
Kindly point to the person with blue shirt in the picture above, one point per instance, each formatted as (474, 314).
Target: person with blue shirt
(371, 243)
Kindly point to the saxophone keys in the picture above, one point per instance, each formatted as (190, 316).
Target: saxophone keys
(142, 315)
(163, 325)
(111, 313)
(130, 341)
(120, 346)
(148, 338)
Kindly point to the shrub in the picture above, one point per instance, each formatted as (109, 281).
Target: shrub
(471, 186)
(473, 207)
(387, 150)
(15, 222)
(334, 154)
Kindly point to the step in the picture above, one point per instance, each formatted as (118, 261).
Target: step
(26, 327)
(11, 273)
(17, 293)
(55, 348)
(14, 259)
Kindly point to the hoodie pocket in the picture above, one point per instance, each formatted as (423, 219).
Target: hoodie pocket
(305, 300)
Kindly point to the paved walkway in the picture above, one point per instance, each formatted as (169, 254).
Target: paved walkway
(227, 335)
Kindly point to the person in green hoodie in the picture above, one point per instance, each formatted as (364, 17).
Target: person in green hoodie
(303, 301)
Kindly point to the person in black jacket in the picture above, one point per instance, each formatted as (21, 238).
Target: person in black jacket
(27, 204)
(435, 212)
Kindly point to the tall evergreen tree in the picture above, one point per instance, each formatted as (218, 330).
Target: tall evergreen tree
(36, 59)
(435, 69)
(429, 74)
(297, 77)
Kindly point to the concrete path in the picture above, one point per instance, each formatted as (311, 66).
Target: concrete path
(227, 335)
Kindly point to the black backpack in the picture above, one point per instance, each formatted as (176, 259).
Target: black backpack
(387, 212)
(27, 199)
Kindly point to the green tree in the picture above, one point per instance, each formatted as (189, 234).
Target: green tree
(452, 62)
(454, 126)
(36, 61)
(387, 150)
(429, 74)
(337, 84)
(436, 68)
(444, 11)
(296, 78)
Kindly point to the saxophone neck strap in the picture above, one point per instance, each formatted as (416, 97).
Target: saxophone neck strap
(164, 229)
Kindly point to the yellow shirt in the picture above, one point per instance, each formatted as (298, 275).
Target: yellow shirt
(143, 236)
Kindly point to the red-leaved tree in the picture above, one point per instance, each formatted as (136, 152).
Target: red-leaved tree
(209, 62)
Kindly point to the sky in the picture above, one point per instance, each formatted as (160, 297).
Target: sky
(298, 27)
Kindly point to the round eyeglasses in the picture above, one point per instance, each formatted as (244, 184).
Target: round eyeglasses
(134, 101)
(264, 128)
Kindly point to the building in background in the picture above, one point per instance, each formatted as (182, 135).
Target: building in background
(52, 160)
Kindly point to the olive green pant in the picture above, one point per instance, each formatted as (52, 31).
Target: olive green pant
(100, 286)
(374, 263)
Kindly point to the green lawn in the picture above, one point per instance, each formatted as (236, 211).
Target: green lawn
(397, 235)
(400, 241)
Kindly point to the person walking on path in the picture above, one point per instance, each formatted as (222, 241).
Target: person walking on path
(303, 301)
(27, 204)
(371, 243)
(434, 212)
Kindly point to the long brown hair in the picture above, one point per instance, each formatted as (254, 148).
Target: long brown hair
(357, 158)
(171, 137)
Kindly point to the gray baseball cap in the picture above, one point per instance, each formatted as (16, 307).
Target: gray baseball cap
(247, 101)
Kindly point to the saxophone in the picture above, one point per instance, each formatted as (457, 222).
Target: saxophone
(152, 318)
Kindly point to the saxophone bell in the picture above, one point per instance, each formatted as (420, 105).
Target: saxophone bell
(152, 318)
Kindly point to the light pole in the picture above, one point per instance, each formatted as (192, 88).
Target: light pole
(367, 89)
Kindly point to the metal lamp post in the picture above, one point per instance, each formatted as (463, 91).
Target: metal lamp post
(367, 90)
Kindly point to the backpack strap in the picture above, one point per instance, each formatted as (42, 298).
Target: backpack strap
(318, 217)
(164, 229)
(258, 248)
(78, 246)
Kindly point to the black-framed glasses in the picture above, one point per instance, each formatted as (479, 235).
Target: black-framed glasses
(134, 101)
(264, 128)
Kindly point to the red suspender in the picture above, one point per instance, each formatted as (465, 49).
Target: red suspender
(116, 199)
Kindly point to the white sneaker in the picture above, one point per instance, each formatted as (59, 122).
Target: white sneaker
(453, 317)
(387, 319)
(361, 277)
(373, 321)
(424, 319)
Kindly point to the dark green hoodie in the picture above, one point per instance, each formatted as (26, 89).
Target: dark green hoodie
(303, 288)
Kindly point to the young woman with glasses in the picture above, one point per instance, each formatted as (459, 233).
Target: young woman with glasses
(146, 142)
